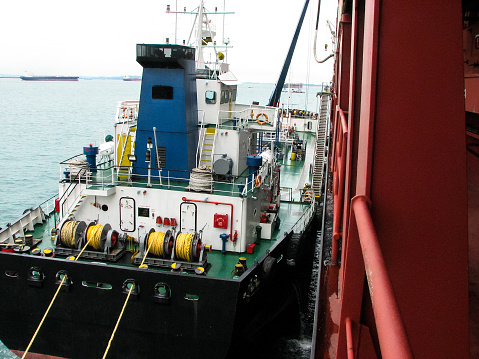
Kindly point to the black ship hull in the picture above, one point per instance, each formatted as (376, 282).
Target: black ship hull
(203, 317)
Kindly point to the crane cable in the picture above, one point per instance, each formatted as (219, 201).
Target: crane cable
(316, 38)
(50, 305)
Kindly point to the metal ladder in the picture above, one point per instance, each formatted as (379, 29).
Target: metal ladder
(124, 164)
(321, 135)
(207, 148)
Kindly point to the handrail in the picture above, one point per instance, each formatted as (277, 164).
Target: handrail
(231, 186)
(65, 162)
(349, 338)
(199, 148)
(338, 181)
(72, 181)
(243, 116)
(392, 335)
(303, 221)
(48, 204)
(123, 149)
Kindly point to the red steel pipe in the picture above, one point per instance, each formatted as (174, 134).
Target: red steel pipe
(392, 334)
(349, 338)
(223, 203)
(338, 188)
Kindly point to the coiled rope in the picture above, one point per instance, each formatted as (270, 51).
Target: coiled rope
(201, 179)
(67, 235)
(155, 241)
(93, 236)
(183, 246)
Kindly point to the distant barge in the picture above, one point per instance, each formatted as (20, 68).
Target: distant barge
(49, 78)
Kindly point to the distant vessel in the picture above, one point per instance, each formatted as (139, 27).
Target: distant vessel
(49, 78)
(295, 87)
(132, 78)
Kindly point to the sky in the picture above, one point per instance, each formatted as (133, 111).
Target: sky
(98, 37)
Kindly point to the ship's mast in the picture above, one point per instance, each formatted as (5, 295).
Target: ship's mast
(199, 37)
(204, 34)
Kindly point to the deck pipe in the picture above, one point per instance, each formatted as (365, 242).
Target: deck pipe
(392, 335)
(224, 237)
(90, 153)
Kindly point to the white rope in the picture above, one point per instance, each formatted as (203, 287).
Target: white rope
(201, 180)
(77, 165)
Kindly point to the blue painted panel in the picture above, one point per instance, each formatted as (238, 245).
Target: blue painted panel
(175, 120)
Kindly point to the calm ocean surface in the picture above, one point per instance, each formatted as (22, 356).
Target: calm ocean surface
(44, 123)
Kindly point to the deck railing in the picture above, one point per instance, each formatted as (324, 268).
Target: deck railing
(127, 111)
(393, 340)
(49, 205)
(242, 118)
(305, 219)
(106, 176)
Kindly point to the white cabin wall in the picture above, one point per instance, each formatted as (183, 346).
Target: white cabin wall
(208, 111)
(243, 152)
(301, 124)
(166, 204)
(233, 143)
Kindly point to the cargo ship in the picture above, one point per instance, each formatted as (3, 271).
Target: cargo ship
(49, 78)
(294, 87)
(399, 269)
(131, 78)
(187, 232)
(401, 265)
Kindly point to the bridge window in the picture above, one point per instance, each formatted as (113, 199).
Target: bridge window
(210, 97)
(225, 96)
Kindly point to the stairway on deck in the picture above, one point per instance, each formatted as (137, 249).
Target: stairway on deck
(207, 148)
(321, 136)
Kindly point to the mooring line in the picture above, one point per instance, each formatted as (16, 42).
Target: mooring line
(49, 306)
(124, 306)
(43, 319)
(118, 322)
(143, 261)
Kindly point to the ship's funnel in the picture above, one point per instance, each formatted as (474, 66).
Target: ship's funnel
(168, 104)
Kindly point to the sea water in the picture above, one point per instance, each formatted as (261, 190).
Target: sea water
(45, 123)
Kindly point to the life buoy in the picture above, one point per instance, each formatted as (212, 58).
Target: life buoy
(308, 195)
(314, 117)
(257, 182)
(265, 118)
